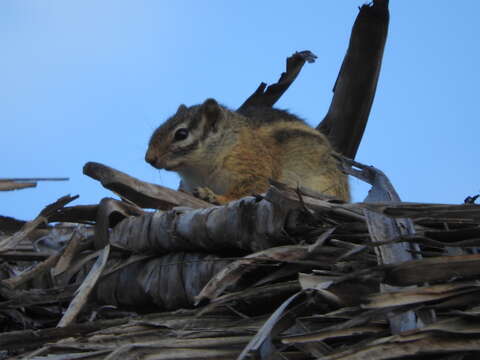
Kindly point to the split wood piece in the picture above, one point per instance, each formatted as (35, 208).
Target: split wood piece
(36, 337)
(30, 256)
(141, 193)
(416, 272)
(69, 253)
(431, 295)
(457, 213)
(160, 336)
(356, 84)
(439, 336)
(12, 241)
(454, 338)
(211, 348)
(354, 332)
(264, 96)
(18, 298)
(382, 228)
(231, 274)
(437, 269)
(441, 268)
(6, 185)
(180, 329)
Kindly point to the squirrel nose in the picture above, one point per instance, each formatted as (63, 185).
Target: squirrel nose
(150, 157)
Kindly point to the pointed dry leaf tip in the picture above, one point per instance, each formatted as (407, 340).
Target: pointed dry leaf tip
(266, 332)
(306, 55)
(267, 97)
(471, 199)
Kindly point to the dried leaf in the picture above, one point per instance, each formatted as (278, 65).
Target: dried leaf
(85, 289)
(12, 241)
(166, 282)
(140, 193)
(41, 268)
(246, 224)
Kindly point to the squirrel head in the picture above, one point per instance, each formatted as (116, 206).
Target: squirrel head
(188, 139)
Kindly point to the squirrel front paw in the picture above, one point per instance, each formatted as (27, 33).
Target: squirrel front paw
(206, 194)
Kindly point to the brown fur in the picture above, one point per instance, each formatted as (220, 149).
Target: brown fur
(230, 156)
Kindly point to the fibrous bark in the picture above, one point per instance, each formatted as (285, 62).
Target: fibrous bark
(247, 224)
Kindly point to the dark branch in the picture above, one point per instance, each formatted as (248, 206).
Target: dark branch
(270, 96)
(356, 84)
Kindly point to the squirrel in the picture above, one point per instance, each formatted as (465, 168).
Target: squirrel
(222, 155)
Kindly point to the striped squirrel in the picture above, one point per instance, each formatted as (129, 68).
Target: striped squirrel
(223, 155)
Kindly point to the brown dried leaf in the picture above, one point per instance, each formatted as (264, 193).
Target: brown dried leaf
(423, 294)
(68, 253)
(335, 334)
(433, 269)
(444, 212)
(86, 288)
(405, 347)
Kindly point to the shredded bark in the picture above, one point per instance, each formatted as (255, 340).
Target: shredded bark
(290, 273)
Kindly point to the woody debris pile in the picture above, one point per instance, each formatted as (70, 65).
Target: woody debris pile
(288, 272)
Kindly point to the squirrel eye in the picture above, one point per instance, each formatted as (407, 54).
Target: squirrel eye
(181, 134)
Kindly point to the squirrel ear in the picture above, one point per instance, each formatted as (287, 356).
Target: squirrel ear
(212, 112)
(181, 109)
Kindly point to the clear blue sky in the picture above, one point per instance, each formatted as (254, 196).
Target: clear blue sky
(90, 80)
